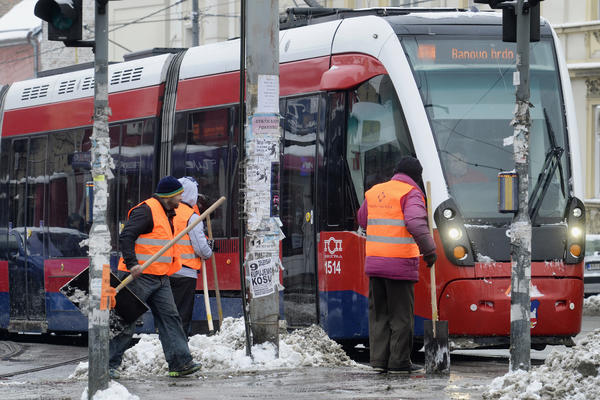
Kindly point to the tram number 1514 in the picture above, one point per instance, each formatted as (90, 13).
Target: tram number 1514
(333, 267)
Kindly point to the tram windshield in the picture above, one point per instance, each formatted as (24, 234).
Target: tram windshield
(467, 89)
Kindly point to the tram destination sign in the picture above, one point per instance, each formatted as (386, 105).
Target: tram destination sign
(466, 52)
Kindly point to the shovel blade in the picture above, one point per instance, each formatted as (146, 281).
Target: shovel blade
(129, 307)
(437, 350)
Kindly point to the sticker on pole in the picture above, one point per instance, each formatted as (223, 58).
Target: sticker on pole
(261, 276)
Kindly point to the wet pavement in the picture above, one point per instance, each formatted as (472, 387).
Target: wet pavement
(35, 370)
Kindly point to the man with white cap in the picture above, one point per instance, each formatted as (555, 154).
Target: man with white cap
(192, 248)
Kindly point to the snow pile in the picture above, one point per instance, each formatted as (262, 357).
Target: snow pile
(591, 305)
(226, 351)
(571, 374)
(114, 391)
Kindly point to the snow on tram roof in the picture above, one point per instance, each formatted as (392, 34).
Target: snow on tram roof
(123, 76)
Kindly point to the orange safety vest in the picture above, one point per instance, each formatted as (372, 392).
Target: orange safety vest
(148, 244)
(387, 235)
(184, 248)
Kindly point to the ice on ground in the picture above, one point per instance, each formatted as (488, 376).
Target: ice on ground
(591, 305)
(226, 351)
(114, 391)
(571, 374)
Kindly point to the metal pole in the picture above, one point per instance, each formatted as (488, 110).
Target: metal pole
(242, 174)
(262, 169)
(99, 240)
(520, 328)
(195, 30)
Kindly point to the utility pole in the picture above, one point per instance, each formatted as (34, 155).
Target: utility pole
(520, 24)
(99, 240)
(262, 142)
(195, 30)
(520, 228)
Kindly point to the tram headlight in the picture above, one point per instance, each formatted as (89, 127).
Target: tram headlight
(576, 232)
(448, 213)
(454, 233)
(575, 243)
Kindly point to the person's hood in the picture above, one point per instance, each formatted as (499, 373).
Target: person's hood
(190, 191)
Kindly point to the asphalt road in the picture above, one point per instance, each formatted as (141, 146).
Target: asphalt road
(39, 370)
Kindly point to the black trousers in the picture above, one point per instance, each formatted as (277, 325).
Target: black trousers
(391, 322)
(184, 291)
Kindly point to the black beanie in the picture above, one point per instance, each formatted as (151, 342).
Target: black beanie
(168, 186)
(410, 166)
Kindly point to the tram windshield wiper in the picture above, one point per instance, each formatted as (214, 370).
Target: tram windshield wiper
(551, 164)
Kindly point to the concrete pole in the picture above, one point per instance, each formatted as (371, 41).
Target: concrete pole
(520, 328)
(262, 139)
(99, 240)
(195, 30)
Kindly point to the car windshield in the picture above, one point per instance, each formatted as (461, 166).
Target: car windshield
(53, 243)
(466, 85)
(592, 245)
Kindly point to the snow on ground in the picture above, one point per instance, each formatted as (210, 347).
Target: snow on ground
(114, 391)
(591, 305)
(226, 351)
(568, 374)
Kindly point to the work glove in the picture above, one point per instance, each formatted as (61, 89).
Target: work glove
(112, 296)
(430, 259)
(211, 244)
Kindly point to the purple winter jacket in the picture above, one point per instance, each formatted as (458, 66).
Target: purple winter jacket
(415, 217)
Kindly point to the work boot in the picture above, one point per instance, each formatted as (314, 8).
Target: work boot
(114, 374)
(187, 369)
(410, 369)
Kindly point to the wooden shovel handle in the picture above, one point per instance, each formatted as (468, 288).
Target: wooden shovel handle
(214, 267)
(434, 310)
(167, 246)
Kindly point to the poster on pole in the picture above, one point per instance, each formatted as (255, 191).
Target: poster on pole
(268, 93)
(262, 271)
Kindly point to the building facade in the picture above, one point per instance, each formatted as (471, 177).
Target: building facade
(579, 31)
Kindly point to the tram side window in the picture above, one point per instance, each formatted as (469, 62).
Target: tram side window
(207, 158)
(4, 168)
(132, 148)
(69, 169)
(377, 135)
(333, 184)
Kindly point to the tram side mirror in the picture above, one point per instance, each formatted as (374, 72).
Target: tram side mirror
(508, 192)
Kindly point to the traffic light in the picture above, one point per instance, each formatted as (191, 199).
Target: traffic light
(63, 17)
(509, 18)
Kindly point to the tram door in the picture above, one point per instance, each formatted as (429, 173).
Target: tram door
(27, 195)
(301, 121)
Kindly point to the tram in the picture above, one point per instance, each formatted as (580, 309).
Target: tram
(359, 89)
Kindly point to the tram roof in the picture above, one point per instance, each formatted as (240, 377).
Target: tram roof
(302, 16)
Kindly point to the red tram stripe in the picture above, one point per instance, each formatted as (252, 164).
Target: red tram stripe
(138, 103)
(3, 276)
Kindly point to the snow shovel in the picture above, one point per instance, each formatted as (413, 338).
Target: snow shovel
(214, 268)
(437, 351)
(129, 307)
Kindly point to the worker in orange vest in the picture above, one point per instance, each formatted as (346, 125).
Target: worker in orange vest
(395, 217)
(149, 227)
(192, 248)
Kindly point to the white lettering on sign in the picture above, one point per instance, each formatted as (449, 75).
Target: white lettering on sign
(333, 267)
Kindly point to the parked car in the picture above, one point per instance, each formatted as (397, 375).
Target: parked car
(591, 271)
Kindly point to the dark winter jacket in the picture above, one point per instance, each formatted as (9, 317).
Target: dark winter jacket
(140, 221)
